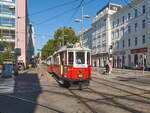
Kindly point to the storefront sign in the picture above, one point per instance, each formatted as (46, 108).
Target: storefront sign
(102, 55)
(141, 50)
(119, 53)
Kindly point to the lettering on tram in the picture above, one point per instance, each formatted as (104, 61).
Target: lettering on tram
(71, 65)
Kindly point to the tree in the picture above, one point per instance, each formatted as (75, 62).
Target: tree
(48, 49)
(6, 54)
(65, 34)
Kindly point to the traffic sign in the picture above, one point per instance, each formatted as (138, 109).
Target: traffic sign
(2, 48)
(18, 51)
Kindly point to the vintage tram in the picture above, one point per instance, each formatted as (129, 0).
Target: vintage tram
(72, 66)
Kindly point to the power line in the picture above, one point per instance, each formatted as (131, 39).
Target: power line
(81, 3)
(54, 17)
(131, 6)
(65, 12)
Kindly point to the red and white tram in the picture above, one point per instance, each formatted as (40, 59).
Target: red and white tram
(72, 66)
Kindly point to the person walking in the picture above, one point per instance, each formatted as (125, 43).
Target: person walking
(110, 66)
(107, 68)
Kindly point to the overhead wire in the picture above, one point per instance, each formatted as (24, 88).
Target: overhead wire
(58, 15)
(54, 17)
(127, 3)
(50, 8)
(73, 15)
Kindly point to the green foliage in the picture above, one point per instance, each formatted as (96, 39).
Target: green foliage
(8, 45)
(66, 35)
(48, 49)
(6, 55)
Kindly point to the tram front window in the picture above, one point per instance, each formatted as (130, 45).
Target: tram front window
(80, 57)
(70, 57)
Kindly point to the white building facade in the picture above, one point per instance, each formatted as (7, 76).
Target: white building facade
(87, 38)
(126, 30)
(131, 36)
(101, 34)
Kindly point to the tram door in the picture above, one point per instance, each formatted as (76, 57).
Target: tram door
(62, 62)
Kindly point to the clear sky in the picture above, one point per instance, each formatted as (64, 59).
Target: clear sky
(49, 15)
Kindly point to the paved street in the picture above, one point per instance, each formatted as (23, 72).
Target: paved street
(36, 91)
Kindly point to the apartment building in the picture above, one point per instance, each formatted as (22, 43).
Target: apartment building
(7, 21)
(101, 34)
(122, 34)
(14, 20)
(131, 36)
(87, 38)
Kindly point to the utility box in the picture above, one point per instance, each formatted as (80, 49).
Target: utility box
(7, 70)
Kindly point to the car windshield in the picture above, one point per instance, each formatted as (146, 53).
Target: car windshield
(80, 57)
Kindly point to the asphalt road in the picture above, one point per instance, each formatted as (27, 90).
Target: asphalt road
(36, 91)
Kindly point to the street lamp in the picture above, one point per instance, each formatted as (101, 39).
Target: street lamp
(12, 8)
(81, 20)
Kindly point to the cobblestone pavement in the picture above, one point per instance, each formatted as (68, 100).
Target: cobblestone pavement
(36, 91)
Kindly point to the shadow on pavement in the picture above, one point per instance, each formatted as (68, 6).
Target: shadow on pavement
(26, 87)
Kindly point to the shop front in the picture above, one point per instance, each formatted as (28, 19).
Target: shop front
(99, 60)
(139, 57)
(119, 59)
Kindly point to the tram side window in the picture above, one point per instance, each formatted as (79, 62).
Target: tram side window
(56, 59)
(65, 58)
(80, 57)
(70, 58)
(88, 58)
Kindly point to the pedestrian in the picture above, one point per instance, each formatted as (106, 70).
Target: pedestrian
(107, 68)
(110, 66)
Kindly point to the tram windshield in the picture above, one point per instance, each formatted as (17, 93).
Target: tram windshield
(80, 57)
(70, 57)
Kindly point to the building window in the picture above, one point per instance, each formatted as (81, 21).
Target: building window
(117, 44)
(136, 13)
(129, 29)
(113, 24)
(143, 39)
(118, 33)
(129, 16)
(143, 24)
(117, 22)
(135, 26)
(143, 9)
(123, 44)
(123, 19)
(113, 35)
(129, 42)
(136, 41)
(122, 29)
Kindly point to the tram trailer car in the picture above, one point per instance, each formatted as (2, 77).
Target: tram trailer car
(72, 66)
(49, 63)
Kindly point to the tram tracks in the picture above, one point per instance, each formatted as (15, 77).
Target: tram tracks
(127, 88)
(82, 101)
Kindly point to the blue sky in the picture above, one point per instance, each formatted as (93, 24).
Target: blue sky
(49, 15)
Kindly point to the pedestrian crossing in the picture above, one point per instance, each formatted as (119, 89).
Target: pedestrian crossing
(7, 85)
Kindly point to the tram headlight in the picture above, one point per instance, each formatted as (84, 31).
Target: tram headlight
(80, 75)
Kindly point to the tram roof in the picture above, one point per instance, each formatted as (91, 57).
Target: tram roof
(76, 47)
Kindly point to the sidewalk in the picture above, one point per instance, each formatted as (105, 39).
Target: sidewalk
(119, 72)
